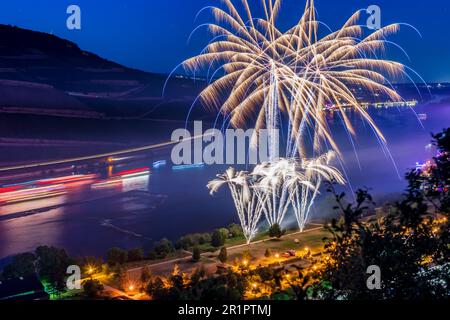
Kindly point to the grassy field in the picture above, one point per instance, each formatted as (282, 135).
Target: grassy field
(171, 256)
(311, 239)
(264, 236)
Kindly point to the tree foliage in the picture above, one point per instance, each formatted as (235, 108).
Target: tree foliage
(223, 255)
(22, 265)
(409, 244)
(218, 238)
(196, 254)
(52, 266)
(92, 288)
(275, 231)
(116, 256)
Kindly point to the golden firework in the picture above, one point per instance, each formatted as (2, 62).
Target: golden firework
(296, 72)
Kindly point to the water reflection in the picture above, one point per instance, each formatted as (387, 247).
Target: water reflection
(46, 211)
(139, 200)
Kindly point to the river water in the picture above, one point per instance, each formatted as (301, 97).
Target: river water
(170, 203)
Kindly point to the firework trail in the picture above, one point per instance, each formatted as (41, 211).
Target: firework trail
(246, 200)
(266, 73)
(273, 187)
(303, 196)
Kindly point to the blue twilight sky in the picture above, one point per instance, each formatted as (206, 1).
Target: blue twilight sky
(152, 34)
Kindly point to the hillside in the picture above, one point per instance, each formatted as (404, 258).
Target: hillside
(43, 74)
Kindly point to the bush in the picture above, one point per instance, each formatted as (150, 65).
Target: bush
(196, 254)
(265, 273)
(22, 265)
(275, 231)
(116, 257)
(146, 275)
(123, 278)
(217, 238)
(185, 242)
(152, 255)
(163, 247)
(204, 238)
(223, 255)
(235, 230)
(191, 240)
(157, 290)
(247, 256)
(225, 233)
(136, 254)
(52, 265)
(92, 288)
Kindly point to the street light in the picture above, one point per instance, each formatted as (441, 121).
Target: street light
(90, 270)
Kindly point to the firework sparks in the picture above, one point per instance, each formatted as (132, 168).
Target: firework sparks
(246, 200)
(274, 187)
(302, 196)
(296, 71)
(287, 183)
(268, 76)
(274, 180)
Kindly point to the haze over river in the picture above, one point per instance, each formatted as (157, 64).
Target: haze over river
(137, 208)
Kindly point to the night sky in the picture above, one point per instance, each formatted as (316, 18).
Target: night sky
(152, 34)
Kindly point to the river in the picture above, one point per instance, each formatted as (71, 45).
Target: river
(169, 203)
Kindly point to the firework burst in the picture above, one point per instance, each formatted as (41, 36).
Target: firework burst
(274, 182)
(297, 72)
(302, 196)
(246, 200)
(261, 73)
(272, 188)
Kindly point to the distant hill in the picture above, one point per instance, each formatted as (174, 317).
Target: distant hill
(44, 74)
